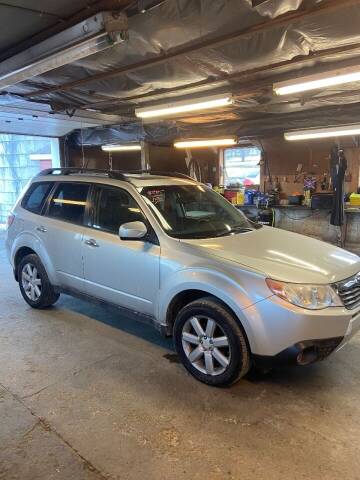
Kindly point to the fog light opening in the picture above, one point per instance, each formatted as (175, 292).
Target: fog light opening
(307, 356)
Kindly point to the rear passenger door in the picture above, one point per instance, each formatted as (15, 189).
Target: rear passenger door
(62, 232)
(123, 272)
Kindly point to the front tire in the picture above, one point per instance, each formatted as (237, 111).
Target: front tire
(34, 283)
(210, 343)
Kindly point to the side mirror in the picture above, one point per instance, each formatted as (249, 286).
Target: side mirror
(132, 231)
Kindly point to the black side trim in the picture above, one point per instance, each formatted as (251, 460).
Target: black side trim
(318, 349)
(138, 316)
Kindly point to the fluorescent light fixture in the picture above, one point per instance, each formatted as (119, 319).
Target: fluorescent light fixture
(90, 36)
(68, 202)
(323, 132)
(121, 148)
(321, 80)
(216, 142)
(185, 106)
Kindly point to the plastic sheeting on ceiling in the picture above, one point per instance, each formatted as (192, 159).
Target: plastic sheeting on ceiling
(244, 65)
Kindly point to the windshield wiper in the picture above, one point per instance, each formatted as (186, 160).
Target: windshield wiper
(235, 230)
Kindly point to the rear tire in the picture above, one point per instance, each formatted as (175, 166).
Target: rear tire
(210, 343)
(34, 283)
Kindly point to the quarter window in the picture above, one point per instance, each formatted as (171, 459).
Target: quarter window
(115, 207)
(35, 197)
(69, 202)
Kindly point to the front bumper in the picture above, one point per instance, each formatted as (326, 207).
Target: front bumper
(281, 331)
(302, 353)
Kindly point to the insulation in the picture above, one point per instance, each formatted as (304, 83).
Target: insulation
(174, 24)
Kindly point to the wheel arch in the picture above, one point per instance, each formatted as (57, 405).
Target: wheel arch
(184, 297)
(19, 255)
(28, 243)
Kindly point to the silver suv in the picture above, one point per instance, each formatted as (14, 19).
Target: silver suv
(232, 293)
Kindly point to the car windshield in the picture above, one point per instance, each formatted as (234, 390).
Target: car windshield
(194, 211)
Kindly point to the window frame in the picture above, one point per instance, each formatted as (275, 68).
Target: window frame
(44, 202)
(94, 210)
(87, 206)
(151, 237)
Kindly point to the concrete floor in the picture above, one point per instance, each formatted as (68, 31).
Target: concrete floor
(88, 394)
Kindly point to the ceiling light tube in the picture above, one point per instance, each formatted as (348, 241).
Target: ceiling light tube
(215, 142)
(316, 81)
(314, 133)
(172, 108)
(90, 36)
(121, 148)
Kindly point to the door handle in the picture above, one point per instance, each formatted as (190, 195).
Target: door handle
(91, 242)
(41, 229)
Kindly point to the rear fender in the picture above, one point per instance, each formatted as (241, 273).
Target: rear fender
(30, 240)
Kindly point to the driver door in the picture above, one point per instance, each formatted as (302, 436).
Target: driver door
(123, 272)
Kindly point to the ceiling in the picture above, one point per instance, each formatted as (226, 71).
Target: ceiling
(181, 49)
(23, 25)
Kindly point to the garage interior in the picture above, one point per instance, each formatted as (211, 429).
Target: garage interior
(86, 392)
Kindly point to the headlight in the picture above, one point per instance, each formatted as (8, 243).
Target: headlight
(312, 297)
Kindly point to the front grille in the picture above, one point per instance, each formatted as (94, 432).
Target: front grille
(349, 291)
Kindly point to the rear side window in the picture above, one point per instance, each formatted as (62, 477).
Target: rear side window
(69, 202)
(35, 197)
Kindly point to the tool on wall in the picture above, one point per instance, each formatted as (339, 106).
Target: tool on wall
(324, 185)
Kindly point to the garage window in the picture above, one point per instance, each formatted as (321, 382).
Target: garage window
(115, 207)
(35, 197)
(241, 166)
(69, 202)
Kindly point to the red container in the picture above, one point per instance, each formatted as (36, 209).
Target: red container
(230, 195)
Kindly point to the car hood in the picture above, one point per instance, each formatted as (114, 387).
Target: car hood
(282, 255)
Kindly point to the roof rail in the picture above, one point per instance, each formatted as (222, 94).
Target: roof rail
(160, 173)
(115, 174)
(75, 170)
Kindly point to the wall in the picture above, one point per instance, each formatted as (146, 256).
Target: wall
(162, 158)
(94, 157)
(284, 156)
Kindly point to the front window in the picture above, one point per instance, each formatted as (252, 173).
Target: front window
(114, 207)
(194, 211)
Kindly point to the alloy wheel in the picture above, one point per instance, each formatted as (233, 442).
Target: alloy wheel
(31, 282)
(206, 345)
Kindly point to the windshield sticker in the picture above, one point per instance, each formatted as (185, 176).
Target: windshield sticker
(157, 197)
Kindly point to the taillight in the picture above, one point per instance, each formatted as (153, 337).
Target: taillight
(10, 219)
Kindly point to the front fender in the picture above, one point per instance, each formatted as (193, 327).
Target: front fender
(30, 240)
(216, 283)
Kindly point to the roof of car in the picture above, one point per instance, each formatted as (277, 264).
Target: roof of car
(141, 179)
